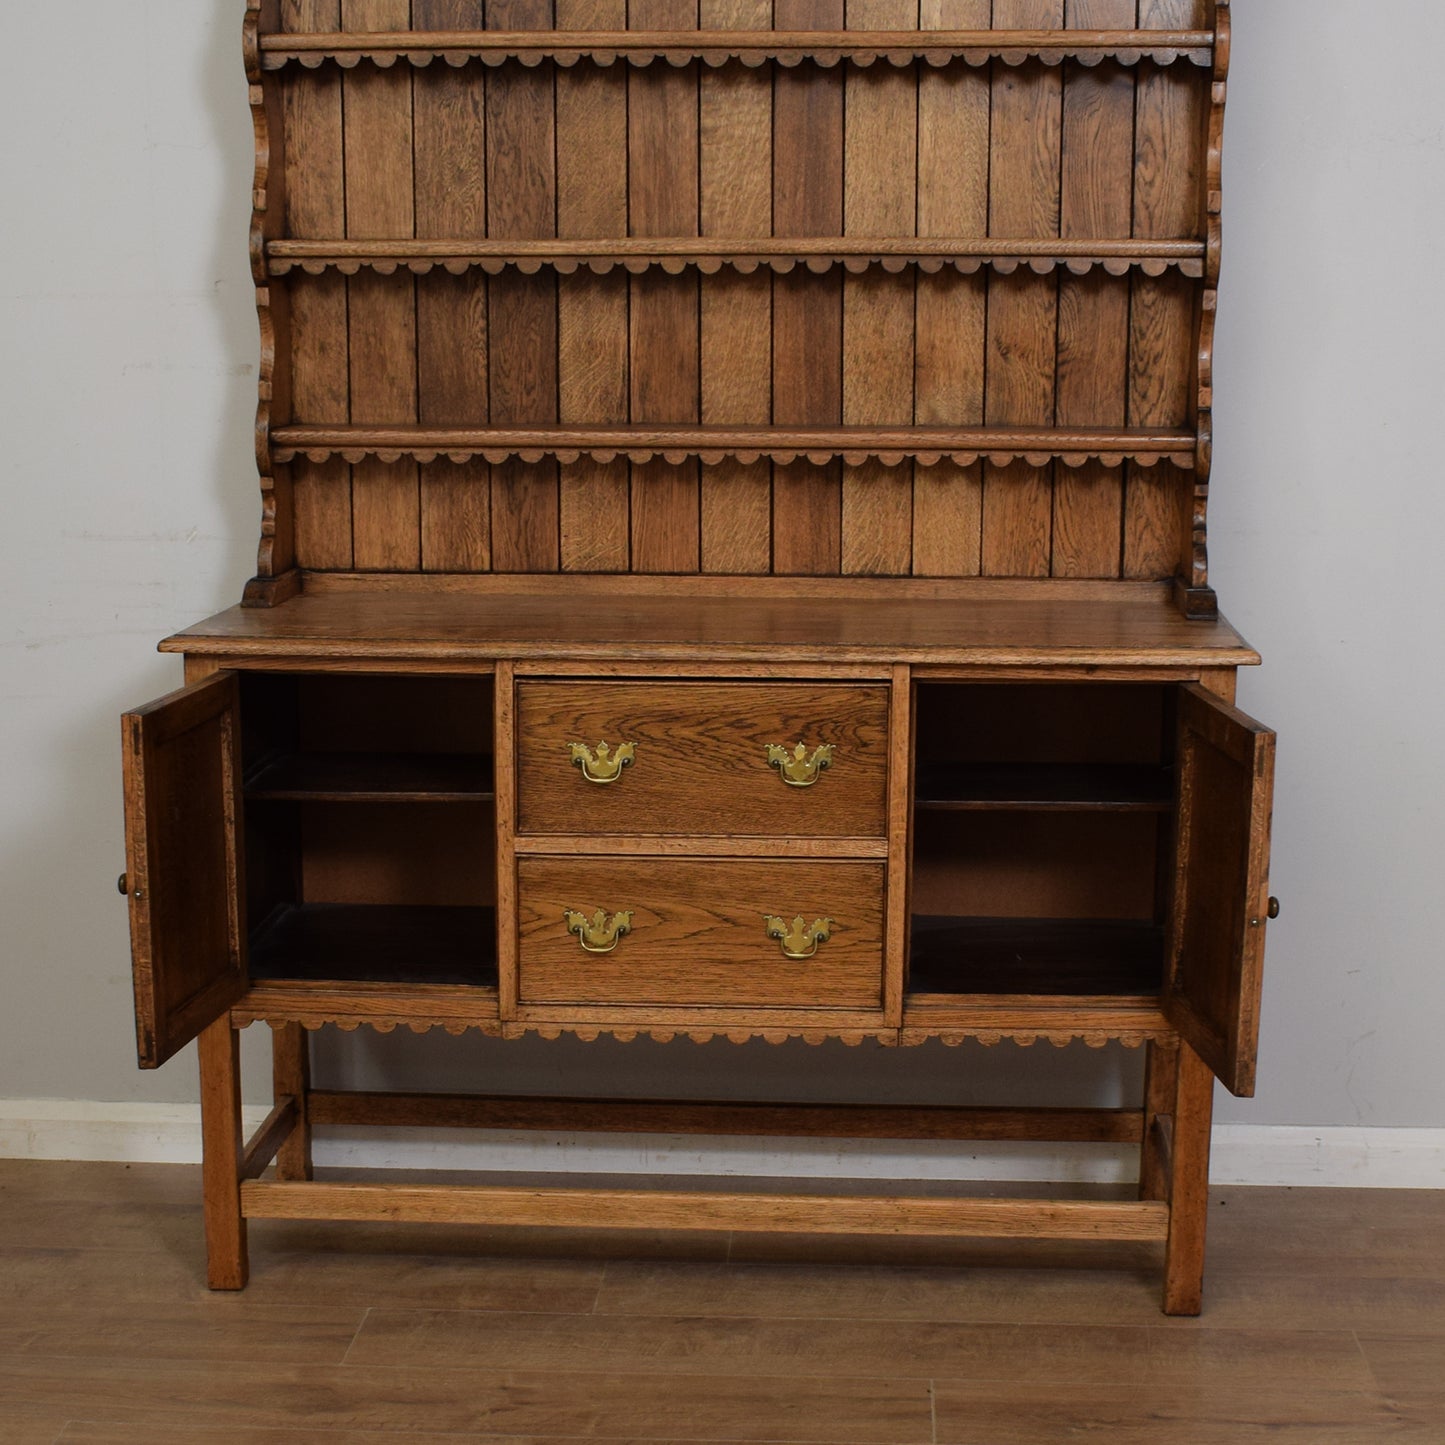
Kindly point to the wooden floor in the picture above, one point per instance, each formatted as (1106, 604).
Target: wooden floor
(1324, 1322)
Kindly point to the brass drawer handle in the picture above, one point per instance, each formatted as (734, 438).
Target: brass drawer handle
(605, 765)
(600, 933)
(799, 940)
(795, 767)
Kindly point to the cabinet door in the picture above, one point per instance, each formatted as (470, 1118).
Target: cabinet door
(1221, 884)
(183, 863)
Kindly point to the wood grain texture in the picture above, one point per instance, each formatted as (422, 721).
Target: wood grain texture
(1024, 195)
(736, 164)
(316, 206)
(1191, 1118)
(504, 722)
(1221, 883)
(807, 310)
(291, 1079)
(661, 1116)
(1093, 339)
(449, 121)
(222, 1145)
(698, 934)
(522, 201)
(184, 858)
(953, 169)
(592, 315)
(1168, 190)
(701, 765)
(880, 196)
(985, 623)
(662, 148)
(380, 189)
(657, 1209)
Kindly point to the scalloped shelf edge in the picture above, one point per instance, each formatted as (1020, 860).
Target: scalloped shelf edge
(282, 454)
(910, 1036)
(281, 266)
(420, 58)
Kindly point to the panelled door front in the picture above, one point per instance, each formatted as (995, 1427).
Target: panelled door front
(183, 863)
(1221, 884)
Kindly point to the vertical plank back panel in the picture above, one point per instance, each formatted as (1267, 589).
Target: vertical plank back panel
(451, 311)
(1023, 308)
(316, 206)
(953, 167)
(592, 310)
(1027, 152)
(1093, 340)
(522, 202)
(1168, 160)
(735, 107)
(380, 189)
(662, 142)
(880, 198)
(808, 309)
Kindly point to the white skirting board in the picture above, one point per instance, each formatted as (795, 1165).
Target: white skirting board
(1242, 1153)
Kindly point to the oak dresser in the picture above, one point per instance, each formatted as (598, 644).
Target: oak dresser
(734, 481)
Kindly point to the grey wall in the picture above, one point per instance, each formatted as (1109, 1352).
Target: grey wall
(130, 509)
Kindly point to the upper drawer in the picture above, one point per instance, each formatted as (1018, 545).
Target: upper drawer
(700, 758)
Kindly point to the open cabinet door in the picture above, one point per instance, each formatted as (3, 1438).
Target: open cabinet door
(183, 864)
(1221, 884)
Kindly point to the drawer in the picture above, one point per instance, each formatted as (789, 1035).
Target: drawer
(700, 762)
(696, 934)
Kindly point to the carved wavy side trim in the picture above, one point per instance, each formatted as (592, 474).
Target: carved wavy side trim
(856, 263)
(318, 445)
(263, 219)
(752, 49)
(1196, 560)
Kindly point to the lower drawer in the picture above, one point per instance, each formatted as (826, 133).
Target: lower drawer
(700, 932)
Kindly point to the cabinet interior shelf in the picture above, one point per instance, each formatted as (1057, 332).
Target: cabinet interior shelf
(1042, 788)
(676, 443)
(376, 943)
(373, 778)
(752, 47)
(1035, 956)
(674, 254)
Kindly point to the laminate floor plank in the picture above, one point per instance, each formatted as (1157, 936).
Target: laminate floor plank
(587, 1406)
(324, 1277)
(1327, 1298)
(225, 1329)
(95, 1432)
(1405, 1361)
(990, 1295)
(88, 1432)
(28, 1428)
(762, 1349)
(1297, 1360)
(995, 1415)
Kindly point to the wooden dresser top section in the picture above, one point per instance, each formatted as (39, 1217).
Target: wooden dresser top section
(664, 620)
(737, 287)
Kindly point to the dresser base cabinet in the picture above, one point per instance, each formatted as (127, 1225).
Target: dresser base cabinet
(951, 849)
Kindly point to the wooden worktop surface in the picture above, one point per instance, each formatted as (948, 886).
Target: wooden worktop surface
(697, 619)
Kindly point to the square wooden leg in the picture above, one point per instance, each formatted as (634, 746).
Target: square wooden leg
(222, 1144)
(1189, 1185)
(291, 1074)
(1161, 1073)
